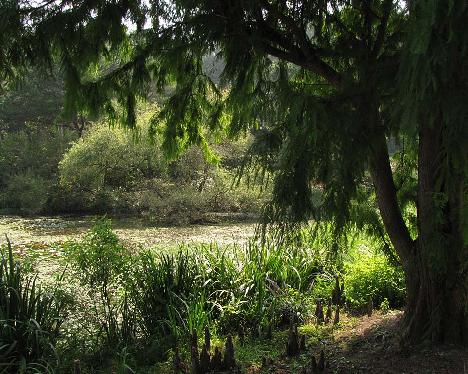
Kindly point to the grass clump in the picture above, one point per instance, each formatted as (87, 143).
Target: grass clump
(30, 319)
(148, 302)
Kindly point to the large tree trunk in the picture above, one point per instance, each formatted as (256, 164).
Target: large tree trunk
(436, 301)
(437, 286)
(435, 264)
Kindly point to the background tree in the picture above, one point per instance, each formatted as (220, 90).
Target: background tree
(320, 77)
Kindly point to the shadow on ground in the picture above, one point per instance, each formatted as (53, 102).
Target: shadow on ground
(372, 346)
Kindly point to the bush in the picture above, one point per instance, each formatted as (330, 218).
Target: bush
(28, 167)
(226, 286)
(154, 300)
(107, 157)
(25, 193)
(323, 286)
(372, 277)
(101, 264)
(107, 171)
(101, 166)
(30, 318)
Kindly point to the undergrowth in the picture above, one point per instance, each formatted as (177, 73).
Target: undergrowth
(133, 306)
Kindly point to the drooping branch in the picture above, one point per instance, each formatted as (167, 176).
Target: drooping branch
(293, 27)
(387, 7)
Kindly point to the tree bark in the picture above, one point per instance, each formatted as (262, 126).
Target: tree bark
(435, 264)
(385, 190)
(437, 283)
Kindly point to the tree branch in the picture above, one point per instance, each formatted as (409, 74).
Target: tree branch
(385, 190)
(293, 27)
(387, 7)
(320, 69)
(306, 56)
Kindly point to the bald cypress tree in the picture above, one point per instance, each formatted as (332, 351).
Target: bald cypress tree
(323, 83)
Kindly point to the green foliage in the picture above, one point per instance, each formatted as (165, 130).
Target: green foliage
(108, 158)
(131, 309)
(175, 294)
(323, 286)
(372, 277)
(384, 306)
(101, 265)
(161, 288)
(109, 171)
(430, 77)
(167, 296)
(315, 80)
(28, 168)
(30, 318)
(37, 98)
(26, 194)
(318, 99)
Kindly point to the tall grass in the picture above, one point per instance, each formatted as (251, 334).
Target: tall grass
(155, 300)
(223, 286)
(30, 318)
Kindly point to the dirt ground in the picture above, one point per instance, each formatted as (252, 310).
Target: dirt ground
(371, 345)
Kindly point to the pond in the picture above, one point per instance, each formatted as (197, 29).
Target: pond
(135, 231)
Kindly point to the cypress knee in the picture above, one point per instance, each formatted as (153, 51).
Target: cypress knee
(370, 307)
(229, 359)
(269, 334)
(328, 316)
(204, 360)
(302, 344)
(207, 338)
(195, 368)
(292, 346)
(337, 315)
(177, 362)
(77, 367)
(216, 361)
(319, 312)
(241, 335)
(321, 363)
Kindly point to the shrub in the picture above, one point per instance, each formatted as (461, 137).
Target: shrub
(105, 163)
(30, 318)
(107, 171)
(159, 299)
(28, 167)
(227, 286)
(372, 277)
(323, 286)
(384, 306)
(101, 264)
(25, 193)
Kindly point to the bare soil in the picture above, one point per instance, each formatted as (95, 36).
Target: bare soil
(371, 345)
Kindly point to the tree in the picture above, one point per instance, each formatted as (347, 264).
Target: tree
(36, 99)
(324, 82)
